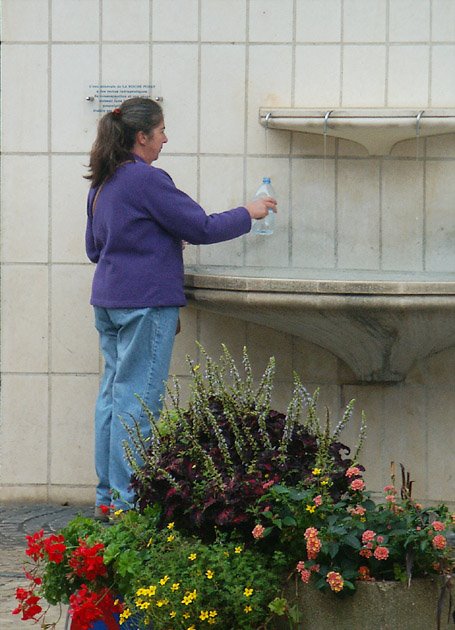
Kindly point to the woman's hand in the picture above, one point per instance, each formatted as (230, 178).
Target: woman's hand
(259, 208)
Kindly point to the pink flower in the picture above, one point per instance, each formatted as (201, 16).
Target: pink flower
(379, 539)
(353, 471)
(390, 498)
(381, 553)
(335, 581)
(311, 532)
(390, 489)
(315, 567)
(357, 484)
(368, 535)
(365, 553)
(439, 542)
(258, 531)
(318, 500)
(266, 485)
(300, 566)
(313, 547)
(438, 526)
(358, 510)
(305, 575)
(418, 528)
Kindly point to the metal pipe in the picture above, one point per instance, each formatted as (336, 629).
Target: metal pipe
(267, 120)
(326, 121)
(419, 116)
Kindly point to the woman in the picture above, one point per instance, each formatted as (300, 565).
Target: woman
(136, 222)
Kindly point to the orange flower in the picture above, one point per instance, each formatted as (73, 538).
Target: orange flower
(335, 581)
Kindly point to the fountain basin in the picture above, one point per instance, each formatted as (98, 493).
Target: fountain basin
(376, 129)
(379, 329)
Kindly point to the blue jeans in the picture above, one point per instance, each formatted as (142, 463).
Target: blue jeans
(137, 347)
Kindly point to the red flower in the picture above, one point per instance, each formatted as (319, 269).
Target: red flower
(55, 548)
(88, 606)
(28, 604)
(87, 562)
(35, 545)
(439, 542)
(105, 509)
(381, 553)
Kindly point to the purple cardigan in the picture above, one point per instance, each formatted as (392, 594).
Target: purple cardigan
(135, 237)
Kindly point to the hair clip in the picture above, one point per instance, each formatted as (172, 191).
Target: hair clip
(117, 112)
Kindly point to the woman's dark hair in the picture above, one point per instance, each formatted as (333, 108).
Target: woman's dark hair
(117, 133)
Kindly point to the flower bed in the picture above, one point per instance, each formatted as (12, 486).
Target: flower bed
(236, 502)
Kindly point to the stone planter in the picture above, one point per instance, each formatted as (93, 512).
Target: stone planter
(374, 606)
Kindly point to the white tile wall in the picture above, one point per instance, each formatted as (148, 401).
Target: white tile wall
(25, 209)
(180, 104)
(25, 87)
(223, 20)
(74, 400)
(442, 20)
(358, 234)
(74, 339)
(408, 76)
(74, 68)
(442, 76)
(68, 201)
(215, 63)
(25, 20)
(312, 63)
(364, 22)
(268, 89)
(313, 213)
(409, 20)
(270, 21)
(318, 21)
(440, 222)
(123, 22)
(402, 215)
(75, 20)
(177, 22)
(222, 98)
(25, 429)
(222, 187)
(24, 331)
(364, 72)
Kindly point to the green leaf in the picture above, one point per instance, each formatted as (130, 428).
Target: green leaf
(277, 489)
(333, 549)
(289, 521)
(352, 541)
(349, 585)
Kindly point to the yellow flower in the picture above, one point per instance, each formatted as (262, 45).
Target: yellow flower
(324, 482)
(150, 542)
(170, 526)
(211, 621)
(248, 592)
(164, 580)
(247, 609)
(204, 615)
(172, 614)
(192, 556)
(363, 519)
(209, 574)
(124, 615)
(170, 538)
(316, 471)
(118, 512)
(192, 627)
(310, 508)
(186, 615)
(175, 586)
(238, 550)
(213, 613)
(162, 602)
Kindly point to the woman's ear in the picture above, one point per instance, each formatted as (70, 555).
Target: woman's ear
(141, 138)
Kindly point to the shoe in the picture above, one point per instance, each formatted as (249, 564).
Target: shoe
(100, 514)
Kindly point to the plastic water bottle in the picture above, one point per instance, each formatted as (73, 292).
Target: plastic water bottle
(265, 225)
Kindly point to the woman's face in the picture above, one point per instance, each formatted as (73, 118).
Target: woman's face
(149, 146)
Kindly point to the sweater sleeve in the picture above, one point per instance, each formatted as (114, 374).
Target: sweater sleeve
(185, 219)
(90, 247)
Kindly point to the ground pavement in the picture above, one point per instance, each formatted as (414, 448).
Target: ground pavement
(15, 522)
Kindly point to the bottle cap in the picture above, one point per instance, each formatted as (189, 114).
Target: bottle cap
(266, 180)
